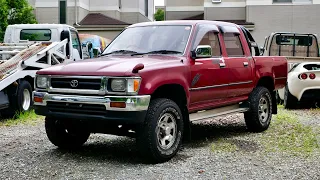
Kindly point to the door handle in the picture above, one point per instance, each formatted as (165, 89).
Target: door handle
(245, 64)
(222, 65)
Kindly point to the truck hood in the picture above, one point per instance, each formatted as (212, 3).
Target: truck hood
(111, 66)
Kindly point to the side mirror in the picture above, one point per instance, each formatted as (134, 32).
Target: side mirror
(65, 34)
(203, 51)
(254, 44)
(261, 50)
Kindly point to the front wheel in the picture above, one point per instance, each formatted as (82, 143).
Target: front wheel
(259, 116)
(160, 137)
(66, 137)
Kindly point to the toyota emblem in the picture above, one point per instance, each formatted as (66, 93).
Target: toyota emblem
(74, 83)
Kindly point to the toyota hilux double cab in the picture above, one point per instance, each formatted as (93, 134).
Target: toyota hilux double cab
(154, 79)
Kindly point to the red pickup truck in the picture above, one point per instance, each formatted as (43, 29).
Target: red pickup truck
(154, 79)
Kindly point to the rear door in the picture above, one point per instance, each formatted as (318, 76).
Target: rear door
(240, 63)
(209, 81)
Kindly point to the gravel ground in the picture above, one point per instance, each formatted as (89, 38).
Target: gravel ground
(26, 153)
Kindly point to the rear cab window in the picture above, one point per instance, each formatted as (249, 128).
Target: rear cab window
(35, 34)
(288, 44)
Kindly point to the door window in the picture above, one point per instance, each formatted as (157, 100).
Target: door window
(208, 37)
(76, 42)
(233, 45)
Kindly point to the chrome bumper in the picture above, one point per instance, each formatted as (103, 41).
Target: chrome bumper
(133, 103)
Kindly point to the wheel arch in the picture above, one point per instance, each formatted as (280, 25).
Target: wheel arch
(176, 93)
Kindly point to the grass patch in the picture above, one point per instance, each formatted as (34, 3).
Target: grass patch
(223, 145)
(22, 118)
(287, 134)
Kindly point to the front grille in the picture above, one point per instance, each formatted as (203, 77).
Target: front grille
(77, 108)
(78, 83)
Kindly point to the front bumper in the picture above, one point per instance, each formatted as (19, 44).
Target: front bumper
(132, 109)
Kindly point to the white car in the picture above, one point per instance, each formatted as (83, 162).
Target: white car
(303, 85)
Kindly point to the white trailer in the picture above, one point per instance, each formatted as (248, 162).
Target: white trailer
(28, 48)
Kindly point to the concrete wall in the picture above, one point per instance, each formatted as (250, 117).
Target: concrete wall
(292, 18)
(47, 15)
(184, 3)
(225, 13)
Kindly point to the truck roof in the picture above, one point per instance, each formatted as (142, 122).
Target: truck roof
(38, 26)
(183, 22)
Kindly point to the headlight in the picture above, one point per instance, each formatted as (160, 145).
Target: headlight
(118, 85)
(42, 82)
(130, 85)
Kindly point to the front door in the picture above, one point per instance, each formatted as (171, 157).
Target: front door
(209, 80)
(240, 65)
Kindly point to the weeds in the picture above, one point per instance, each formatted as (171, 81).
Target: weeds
(285, 134)
(28, 117)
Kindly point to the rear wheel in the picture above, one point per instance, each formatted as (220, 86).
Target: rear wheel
(66, 137)
(290, 102)
(159, 139)
(259, 116)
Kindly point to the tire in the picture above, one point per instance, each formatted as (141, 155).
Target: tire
(63, 137)
(259, 116)
(149, 140)
(290, 102)
(21, 101)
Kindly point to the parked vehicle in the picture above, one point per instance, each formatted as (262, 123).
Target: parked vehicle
(93, 45)
(297, 48)
(303, 84)
(154, 79)
(26, 49)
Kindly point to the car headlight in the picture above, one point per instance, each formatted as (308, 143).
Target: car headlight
(42, 82)
(118, 85)
(130, 85)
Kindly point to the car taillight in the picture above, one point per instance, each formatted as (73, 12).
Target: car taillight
(303, 76)
(312, 76)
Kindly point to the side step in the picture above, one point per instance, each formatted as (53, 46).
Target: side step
(207, 114)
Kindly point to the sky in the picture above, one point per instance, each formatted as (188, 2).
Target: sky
(158, 2)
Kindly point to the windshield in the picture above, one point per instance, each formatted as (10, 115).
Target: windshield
(151, 39)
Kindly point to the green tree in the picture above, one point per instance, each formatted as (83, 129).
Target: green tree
(159, 15)
(15, 12)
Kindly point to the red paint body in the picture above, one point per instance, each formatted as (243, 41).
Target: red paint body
(171, 69)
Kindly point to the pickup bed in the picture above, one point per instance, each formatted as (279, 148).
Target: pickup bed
(154, 79)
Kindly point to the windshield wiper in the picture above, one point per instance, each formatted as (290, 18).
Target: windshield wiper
(158, 52)
(119, 51)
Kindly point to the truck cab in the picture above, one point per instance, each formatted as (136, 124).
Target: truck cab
(45, 33)
(26, 49)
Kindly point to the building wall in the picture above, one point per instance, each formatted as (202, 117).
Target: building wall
(226, 10)
(131, 11)
(289, 18)
(47, 15)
